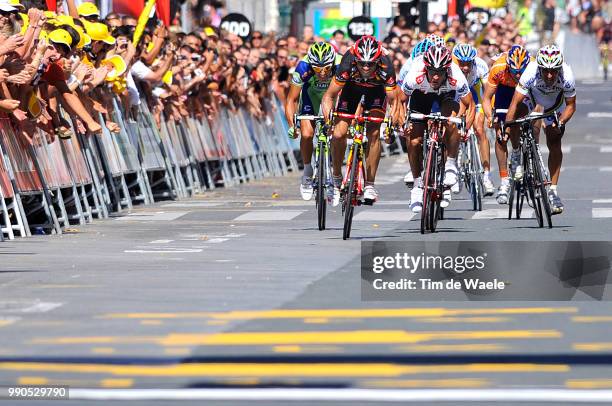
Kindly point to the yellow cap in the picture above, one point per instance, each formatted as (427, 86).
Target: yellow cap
(88, 9)
(60, 36)
(210, 32)
(64, 19)
(16, 4)
(85, 39)
(49, 14)
(119, 67)
(43, 35)
(99, 32)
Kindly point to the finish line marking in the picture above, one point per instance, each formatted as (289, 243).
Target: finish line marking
(352, 395)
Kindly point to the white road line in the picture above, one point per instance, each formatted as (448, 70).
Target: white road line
(489, 214)
(601, 212)
(384, 215)
(605, 169)
(269, 215)
(34, 306)
(352, 395)
(193, 204)
(157, 216)
(606, 149)
(602, 201)
(600, 114)
(160, 241)
(165, 251)
(216, 240)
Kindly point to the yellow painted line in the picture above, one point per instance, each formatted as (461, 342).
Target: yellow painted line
(280, 370)
(484, 347)
(316, 320)
(592, 346)
(216, 322)
(4, 322)
(307, 337)
(343, 313)
(151, 322)
(465, 320)
(116, 383)
(32, 380)
(103, 350)
(177, 351)
(588, 383)
(287, 349)
(427, 383)
(591, 319)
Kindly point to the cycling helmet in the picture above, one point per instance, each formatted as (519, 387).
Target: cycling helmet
(436, 40)
(367, 49)
(438, 57)
(550, 57)
(421, 48)
(464, 53)
(518, 59)
(321, 54)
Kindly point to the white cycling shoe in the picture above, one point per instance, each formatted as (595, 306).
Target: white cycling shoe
(370, 194)
(451, 174)
(336, 198)
(446, 199)
(306, 189)
(489, 189)
(416, 199)
(515, 163)
(409, 179)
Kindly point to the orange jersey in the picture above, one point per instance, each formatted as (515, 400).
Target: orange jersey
(499, 74)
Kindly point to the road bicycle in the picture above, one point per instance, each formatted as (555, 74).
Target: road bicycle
(533, 187)
(434, 159)
(322, 182)
(471, 171)
(353, 182)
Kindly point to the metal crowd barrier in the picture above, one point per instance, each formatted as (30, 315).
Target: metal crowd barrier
(55, 183)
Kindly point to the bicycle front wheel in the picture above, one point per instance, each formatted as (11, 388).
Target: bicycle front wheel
(541, 185)
(351, 193)
(321, 186)
(428, 184)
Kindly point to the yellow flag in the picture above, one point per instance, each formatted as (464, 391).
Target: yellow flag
(142, 21)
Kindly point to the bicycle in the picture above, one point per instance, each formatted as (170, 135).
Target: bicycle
(471, 171)
(434, 159)
(533, 187)
(354, 180)
(322, 177)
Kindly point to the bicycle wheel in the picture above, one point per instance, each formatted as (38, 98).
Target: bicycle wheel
(541, 185)
(511, 198)
(476, 174)
(531, 191)
(427, 192)
(350, 193)
(436, 210)
(321, 186)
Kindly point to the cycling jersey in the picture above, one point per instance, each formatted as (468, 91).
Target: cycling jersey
(405, 69)
(503, 82)
(476, 79)
(416, 79)
(313, 89)
(384, 75)
(550, 97)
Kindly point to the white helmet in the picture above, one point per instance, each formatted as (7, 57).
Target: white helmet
(550, 57)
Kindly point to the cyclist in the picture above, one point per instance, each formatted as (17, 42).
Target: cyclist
(417, 52)
(435, 78)
(309, 82)
(365, 71)
(503, 78)
(547, 82)
(476, 71)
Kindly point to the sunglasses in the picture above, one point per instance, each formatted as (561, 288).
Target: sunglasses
(366, 64)
(6, 13)
(440, 72)
(322, 70)
(549, 71)
(257, 37)
(282, 44)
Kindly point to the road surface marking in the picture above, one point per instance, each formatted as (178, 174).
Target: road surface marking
(602, 201)
(480, 347)
(116, 383)
(161, 241)
(216, 240)
(597, 347)
(344, 313)
(605, 169)
(588, 383)
(269, 215)
(591, 319)
(601, 212)
(599, 114)
(489, 214)
(166, 251)
(305, 337)
(281, 369)
(606, 149)
(32, 380)
(384, 215)
(316, 395)
(158, 216)
(193, 204)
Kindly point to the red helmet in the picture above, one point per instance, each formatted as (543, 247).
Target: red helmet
(367, 49)
(438, 57)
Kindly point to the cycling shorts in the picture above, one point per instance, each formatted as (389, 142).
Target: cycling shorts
(374, 98)
(310, 101)
(424, 102)
(503, 98)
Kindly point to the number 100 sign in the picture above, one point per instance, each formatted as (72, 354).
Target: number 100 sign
(237, 24)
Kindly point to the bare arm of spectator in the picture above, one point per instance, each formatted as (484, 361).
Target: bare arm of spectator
(158, 42)
(72, 9)
(73, 101)
(11, 44)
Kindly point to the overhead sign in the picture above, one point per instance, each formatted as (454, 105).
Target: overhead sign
(360, 26)
(237, 24)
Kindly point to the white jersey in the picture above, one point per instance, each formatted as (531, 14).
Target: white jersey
(479, 72)
(550, 97)
(416, 79)
(406, 68)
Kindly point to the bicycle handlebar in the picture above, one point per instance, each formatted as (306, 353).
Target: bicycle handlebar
(308, 117)
(529, 118)
(361, 118)
(435, 117)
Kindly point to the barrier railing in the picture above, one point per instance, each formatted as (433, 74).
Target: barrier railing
(52, 183)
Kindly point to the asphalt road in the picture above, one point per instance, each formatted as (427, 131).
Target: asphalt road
(237, 289)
